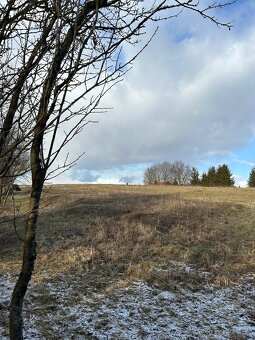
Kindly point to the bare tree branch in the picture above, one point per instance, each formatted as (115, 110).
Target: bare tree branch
(58, 60)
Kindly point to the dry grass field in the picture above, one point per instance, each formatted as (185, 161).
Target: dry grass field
(104, 237)
(130, 230)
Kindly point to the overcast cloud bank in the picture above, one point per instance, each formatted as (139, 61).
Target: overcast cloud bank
(189, 96)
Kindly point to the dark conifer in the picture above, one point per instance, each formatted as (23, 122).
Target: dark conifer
(251, 180)
(212, 177)
(204, 179)
(194, 177)
(224, 176)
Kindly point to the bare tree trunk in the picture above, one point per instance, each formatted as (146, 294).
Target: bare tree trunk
(29, 256)
(78, 45)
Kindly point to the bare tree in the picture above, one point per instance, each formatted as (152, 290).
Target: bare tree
(177, 173)
(152, 174)
(181, 173)
(166, 174)
(55, 55)
(13, 163)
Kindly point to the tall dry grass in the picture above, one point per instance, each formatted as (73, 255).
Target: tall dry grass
(112, 233)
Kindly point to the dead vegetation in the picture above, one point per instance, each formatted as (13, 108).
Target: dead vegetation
(112, 234)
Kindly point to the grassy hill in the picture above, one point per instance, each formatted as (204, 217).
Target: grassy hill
(127, 231)
(140, 262)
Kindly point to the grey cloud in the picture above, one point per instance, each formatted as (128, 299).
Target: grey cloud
(180, 101)
(83, 175)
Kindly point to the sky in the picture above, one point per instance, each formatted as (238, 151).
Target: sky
(189, 96)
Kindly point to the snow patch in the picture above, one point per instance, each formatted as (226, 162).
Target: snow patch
(136, 312)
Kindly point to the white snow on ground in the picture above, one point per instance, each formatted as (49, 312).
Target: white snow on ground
(135, 312)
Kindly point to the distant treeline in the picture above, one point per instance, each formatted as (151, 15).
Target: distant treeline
(220, 177)
(179, 173)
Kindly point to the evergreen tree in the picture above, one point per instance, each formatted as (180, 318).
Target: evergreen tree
(251, 180)
(194, 177)
(204, 179)
(212, 177)
(224, 176)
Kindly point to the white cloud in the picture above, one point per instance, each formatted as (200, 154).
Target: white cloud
(189, 95)
(240, 181)
(243, 161)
